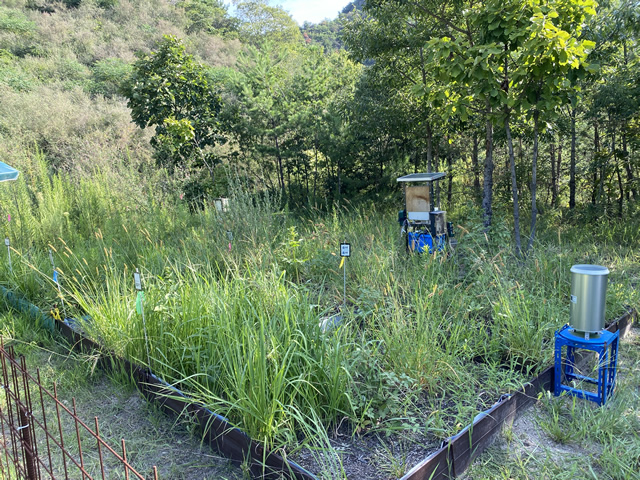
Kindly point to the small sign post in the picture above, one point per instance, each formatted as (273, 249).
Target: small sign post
(8, 244)
(137, 281)
(345, 251)
(56, 280)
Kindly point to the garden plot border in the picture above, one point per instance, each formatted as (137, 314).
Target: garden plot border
(457, 452)
(223, 437)
(449, 461)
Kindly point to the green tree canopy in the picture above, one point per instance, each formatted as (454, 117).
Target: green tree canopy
(210, 16)
(169, 90)
(261, 22)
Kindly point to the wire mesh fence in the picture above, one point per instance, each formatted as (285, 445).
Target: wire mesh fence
(51, 441)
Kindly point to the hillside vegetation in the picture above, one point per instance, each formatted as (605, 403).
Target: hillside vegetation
(127, 118)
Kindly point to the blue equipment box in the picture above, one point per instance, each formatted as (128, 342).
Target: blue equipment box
(423, 242)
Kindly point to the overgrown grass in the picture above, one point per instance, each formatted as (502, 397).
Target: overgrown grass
(424, 343)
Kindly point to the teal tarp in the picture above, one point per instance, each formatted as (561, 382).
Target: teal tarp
(7, 172)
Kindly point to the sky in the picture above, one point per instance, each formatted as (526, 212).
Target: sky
(311, 10)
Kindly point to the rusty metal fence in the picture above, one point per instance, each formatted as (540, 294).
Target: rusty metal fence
(50, 441)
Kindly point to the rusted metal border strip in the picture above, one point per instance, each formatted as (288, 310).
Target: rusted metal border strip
(456, 453)
(451, 460)
(230, 441)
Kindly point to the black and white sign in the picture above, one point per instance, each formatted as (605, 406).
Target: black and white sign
(7, 242)
(345, 249)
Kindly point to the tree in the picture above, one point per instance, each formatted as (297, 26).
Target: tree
(397, 36)
(210, 16)
(259, 112)
(614, 99)
(515, 55)
(260, 22)
(170, 91)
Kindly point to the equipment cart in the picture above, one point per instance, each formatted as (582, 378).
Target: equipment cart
(424, 225)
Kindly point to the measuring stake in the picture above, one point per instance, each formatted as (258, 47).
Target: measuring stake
(8, 244)
(56, 279)
(140, 308)
(345, 251)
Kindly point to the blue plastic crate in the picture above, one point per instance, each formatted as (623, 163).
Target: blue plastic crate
(423, 242)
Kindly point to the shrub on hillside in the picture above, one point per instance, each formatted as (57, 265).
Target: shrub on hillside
(76, 133)
(14, 21)
(109, 75)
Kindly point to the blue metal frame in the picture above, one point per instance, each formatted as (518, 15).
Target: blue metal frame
(606, 346)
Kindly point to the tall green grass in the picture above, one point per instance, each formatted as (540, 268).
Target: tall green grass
(425, 341)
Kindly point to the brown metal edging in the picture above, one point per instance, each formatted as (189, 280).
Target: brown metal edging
(457, 452)
(230, 441)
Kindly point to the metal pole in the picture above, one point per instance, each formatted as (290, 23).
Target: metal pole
(344, 286)
(57, 280)
(64, 310)
(29, 459)
(146, 340)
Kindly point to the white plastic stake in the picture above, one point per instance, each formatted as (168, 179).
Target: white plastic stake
(139, 301)
(56, 279)
(8, 244)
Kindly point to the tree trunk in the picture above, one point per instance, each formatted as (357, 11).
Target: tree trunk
(619, 177)
(514, 187)
(572, 168)
(629, 169)
(306, 177)
(554, 179)
(596, 150)
(450, 177)
(429, 148)
(280, 167)
(600, 198)
(436, 168)
(315, 167)
(475, 167)
(288, 169)
(620, 189)
(534, 181)
(558, 171)
(487, 182)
